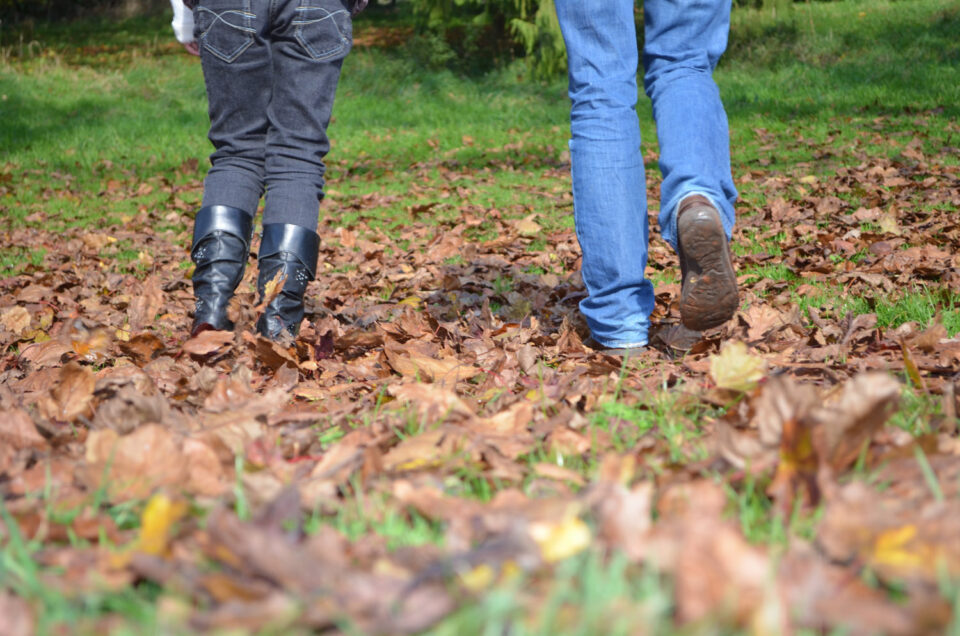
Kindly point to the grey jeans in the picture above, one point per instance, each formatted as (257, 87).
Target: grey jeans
(271, 69)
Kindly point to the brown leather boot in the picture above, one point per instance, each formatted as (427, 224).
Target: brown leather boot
(708, 296)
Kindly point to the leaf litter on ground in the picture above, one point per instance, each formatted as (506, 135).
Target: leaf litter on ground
(448, 382)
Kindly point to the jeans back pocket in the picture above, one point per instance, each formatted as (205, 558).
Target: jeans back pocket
(225, 27)
(324, 29)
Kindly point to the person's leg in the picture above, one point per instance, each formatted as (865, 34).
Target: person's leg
(309, 40)
(609, 191)
(682, 45)
(236, 67)
(237, 70)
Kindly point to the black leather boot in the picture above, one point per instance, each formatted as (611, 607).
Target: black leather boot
(292, 249)
(221, 243)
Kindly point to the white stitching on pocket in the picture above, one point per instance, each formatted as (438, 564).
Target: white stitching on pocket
(228, 56)
(341, 43)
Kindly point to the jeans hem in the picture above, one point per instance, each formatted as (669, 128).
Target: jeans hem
(621, 344)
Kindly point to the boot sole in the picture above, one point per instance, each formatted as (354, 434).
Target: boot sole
(709, 294)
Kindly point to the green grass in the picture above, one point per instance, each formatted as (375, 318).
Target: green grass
(400, 528)
(20, 572)
(920, 305)
(590, 594)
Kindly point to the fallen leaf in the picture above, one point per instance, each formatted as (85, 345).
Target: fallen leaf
(864, 406)
(272, 288)
(157, 519)
(207, 342)
(18, 431)
(558, 541)
(15, 319)
(432, 449)
(72, 397)
(16, 619)
(434, 403)
(205, 474)
(134, 465)
(735, 368)
(418, 365)
(146, 305)
(527, 227)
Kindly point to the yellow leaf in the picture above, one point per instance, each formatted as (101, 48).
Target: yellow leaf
(155, 523)
(510, 571)
(46, 319)
(274, 286)
(888, 223)
(413, 301)
(419, 463)
(145, 258)
(890, 548)
(478, 579)
(735, 368)
(559, 541)
(810, 179)
(913, 372)
(37, 335)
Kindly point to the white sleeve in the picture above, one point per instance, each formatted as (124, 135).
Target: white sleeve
(182, 22)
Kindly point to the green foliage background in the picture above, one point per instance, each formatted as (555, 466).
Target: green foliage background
(15, 12)
(464, 35)
(478, 27)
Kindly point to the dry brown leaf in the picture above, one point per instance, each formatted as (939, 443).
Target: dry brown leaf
(207, 342)
(45, 354)
(415, 364)
(929, 339)
(444, 447)
(72, 397)
(134, 465)
(205, 473)
(15, 319)
(130, 409)
(507, 430)
(16, 619)
(142, 347)
(864, 406)
(623, 515)
(433, 402)
(271, 354)
(18, 431)
(900, 538)
(761, 318)
(146, 305)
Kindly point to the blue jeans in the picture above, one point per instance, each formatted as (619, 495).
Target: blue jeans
(684, 39)
(271, 68)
